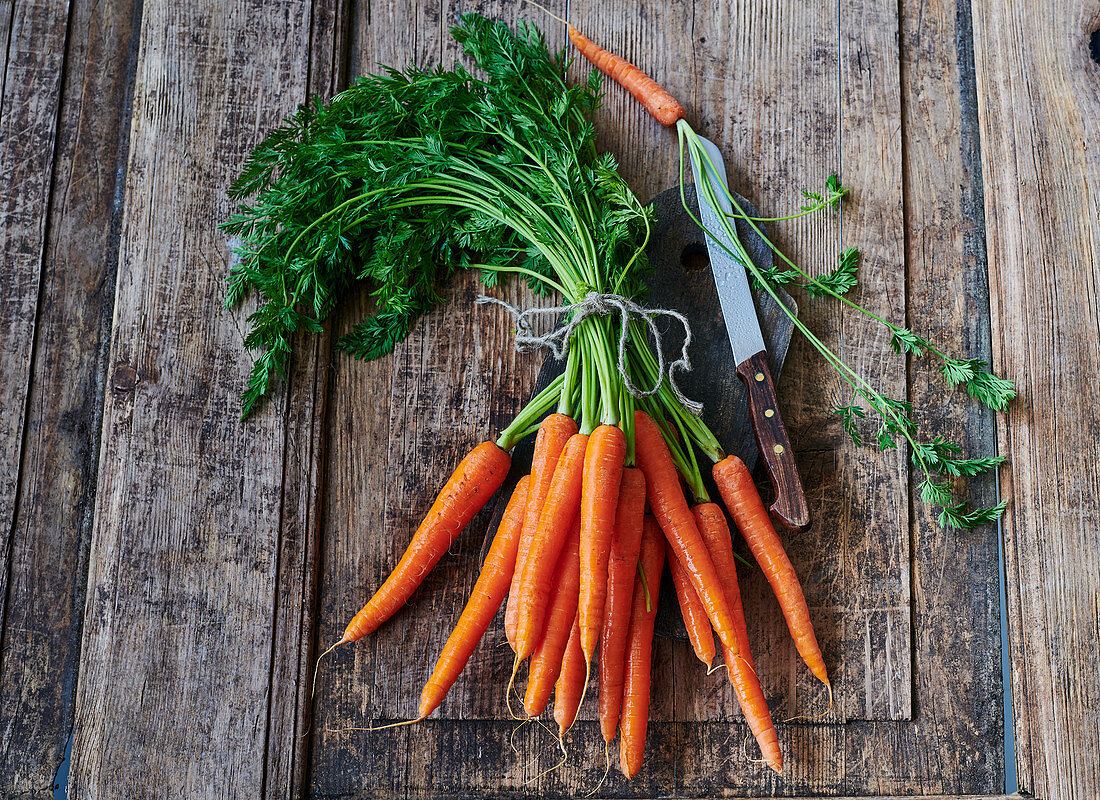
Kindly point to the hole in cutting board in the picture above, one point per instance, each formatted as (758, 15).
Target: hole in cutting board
(694, 257)
(1094, 45)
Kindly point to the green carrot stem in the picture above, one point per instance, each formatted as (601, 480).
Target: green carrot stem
(538, 406)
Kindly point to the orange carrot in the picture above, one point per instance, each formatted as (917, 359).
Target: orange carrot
(485, 599)
(661, 105)
(622, 565)
(745, 506)
(557, 517)
(716, 535)
(700, 634)
(475, 480)
(569, 689)
(554, 432)
(562, 611)
(603, 471)
(755, 708)
(666, 499)
(639, 643)
(742, 671)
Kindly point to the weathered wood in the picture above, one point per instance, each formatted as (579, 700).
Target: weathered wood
(456, 373)
(47, 413)
(184, 565)
(876, 557)
(207, 539)
(293, 640)
(957, 683)
(823, 758)
(29, 100)
(1039, 106)
(745, 57)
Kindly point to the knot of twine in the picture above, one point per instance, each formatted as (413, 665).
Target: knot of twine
(596, 304)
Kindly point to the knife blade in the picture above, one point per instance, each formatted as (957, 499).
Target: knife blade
(749, 352)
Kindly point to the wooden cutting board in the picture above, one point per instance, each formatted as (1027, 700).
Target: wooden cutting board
(682, 280)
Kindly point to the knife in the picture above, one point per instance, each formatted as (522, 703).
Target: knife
(749, 351)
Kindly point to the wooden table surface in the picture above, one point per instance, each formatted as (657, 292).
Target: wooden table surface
(169, 572)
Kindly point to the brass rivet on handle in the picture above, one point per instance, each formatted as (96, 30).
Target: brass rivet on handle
(769, 412)
(778, 449)
(759, 376)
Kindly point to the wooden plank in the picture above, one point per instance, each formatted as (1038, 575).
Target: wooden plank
(957, 723)
(52, 522)
(295, 621)
(1040, 122)
(474, 756)
(365, 686)
(177, 662)
(458, 373)
(744, 57)
(876, 650)
(33, 44)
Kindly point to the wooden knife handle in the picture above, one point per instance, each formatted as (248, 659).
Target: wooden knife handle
(775, 447)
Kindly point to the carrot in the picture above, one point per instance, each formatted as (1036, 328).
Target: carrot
(740, 666)
(554, 432)
(603, 471)
(670, 508)
(661, 105)
(485, 599)
(569, 689)
(547, 657)
(700, 634)
(755, 708)
(639, 643)
(716, 535)
(474, 481)
(622, 564)
(557, 517)
(745, 506)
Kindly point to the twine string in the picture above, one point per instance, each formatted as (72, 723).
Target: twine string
(596, 304)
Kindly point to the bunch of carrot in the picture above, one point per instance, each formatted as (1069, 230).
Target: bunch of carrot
(584, 538)
(580, 562)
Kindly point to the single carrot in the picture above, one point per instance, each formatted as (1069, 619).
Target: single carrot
(716, 535)
(555, 521)
(569, 689)
(622, 565)
(740, 666)
(603, 471)
(755, 708)
(700, 634)
(485, 599)
(561, 613)
(639, 644)
(475, 480)
(747, 509)
(670, 508)
(661, 105)
(554, 432)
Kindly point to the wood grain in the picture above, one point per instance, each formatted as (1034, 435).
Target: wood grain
(780, 131)
(957, 697)
(454, 382)
(184, 564)
(443, 388)
(34, 708)
(29, 104)
(222, 553)
(1039, 106)
(52, 521)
